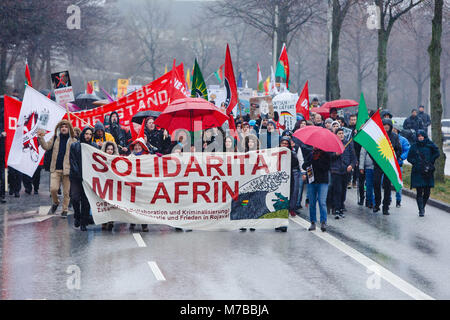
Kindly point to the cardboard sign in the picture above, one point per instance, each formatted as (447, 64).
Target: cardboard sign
(62, 87)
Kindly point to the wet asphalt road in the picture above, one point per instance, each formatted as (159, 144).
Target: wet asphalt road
(41, 256)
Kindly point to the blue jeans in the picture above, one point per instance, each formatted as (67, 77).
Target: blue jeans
(317, 192)
(370, 196)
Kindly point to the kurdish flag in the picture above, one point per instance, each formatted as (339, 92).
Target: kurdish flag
(219, 73)
(199, 89)
(283, 66)
(260, 81)
(375, 140)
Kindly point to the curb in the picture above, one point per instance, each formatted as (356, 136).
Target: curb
(432, 202)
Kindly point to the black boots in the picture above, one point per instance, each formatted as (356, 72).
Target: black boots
(421, 206)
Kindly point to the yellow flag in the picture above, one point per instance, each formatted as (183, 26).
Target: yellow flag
(188, 78)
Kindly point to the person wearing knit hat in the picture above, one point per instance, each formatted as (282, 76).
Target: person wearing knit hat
(328, 123)
(335, 125)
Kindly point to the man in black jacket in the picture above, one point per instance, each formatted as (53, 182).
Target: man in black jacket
(79, 200)
(424, 117)
(120, 134)
(380, 177)
(413, 122)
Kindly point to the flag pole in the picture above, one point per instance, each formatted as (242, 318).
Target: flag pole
(68, 113)
(84, 122)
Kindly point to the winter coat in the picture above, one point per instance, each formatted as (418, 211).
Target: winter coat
(420, 153)
(339, 163)
(365, 160)
(405, 149)
(156, 141)
(121, 134)
(426, 120)
(76, 172)
(414, 123)
(54, 143)
(116, 149)
(106, 136)
(320, 162)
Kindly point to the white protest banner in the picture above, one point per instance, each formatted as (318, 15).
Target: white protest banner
(284, 103)
(37, 112)
(203, 191)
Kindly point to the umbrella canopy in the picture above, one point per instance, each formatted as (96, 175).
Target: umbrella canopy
(327, 106)
(192, 114)
(85, 100)
(320, 138)
(140, 116)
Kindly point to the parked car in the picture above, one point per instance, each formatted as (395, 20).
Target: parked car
(398, 120)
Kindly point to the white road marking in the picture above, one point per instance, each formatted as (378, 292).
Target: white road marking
(387, 275)
(156, 271)
(139, 240)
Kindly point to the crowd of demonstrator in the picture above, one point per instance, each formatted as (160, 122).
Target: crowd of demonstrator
(333, 173)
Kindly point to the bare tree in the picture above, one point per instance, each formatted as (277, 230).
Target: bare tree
(390, 12)
(434, 51)
(149, 23)
(337, 11)
(357, 40)
(261, 14)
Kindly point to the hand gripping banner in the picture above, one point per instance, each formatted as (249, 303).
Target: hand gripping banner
(199, 191)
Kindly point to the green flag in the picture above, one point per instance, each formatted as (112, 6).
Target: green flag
(199, 89)
(363, 115)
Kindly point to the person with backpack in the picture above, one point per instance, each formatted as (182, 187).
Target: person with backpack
(422, 155)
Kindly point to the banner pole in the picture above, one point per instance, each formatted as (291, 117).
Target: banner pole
(84, 122)
(68, 113)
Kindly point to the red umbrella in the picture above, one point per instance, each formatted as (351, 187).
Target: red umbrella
(320, 138)
(327, 106)
(192, 114)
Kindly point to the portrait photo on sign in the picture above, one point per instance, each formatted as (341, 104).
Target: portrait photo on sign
(61, 80)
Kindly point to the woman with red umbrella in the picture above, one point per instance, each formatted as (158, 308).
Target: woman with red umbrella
(317, 164)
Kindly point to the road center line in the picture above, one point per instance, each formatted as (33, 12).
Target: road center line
(156, 271)
(387, 275)
(139, 240)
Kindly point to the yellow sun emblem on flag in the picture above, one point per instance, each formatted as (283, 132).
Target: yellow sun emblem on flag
(385, 149)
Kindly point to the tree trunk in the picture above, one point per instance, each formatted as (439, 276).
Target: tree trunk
(3, 69)
(335, 90)
(434, 51)
(382, 97)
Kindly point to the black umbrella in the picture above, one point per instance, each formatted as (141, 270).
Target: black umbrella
(140, 116)
(84, 101)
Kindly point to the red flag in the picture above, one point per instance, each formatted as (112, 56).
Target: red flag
(28, 76)
(232, 94)
(302, 105)
(283, 66)
(11, 116)
(89, 88)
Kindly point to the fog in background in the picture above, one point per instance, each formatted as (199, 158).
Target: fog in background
(137, 39)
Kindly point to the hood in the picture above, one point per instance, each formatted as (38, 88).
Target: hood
(99, 126)
(141, 141)
(386, 112)
(118, 118)
(69, 124)
(389, 122)
(83, 132)
(423, 133)
(116, 150)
